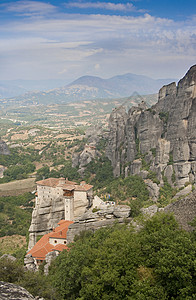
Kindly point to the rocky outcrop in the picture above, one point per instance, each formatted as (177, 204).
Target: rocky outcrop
(4, 148)
(8, 256)
(10, 291)
(30, 263)
(45, 217)
(164, 136)
(150, 211)
(184, 210)
(85, 157)
(81, 159)
(152, 188)
(101, 218)
(49, 258)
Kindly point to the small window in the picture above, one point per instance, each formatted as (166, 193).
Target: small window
(55, 241)
(65, 242)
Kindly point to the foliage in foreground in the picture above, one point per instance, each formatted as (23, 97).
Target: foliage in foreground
(117, 263)
(158, 262)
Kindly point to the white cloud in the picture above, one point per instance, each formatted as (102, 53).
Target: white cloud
(74, 45)
(26, 7)
(103, 5)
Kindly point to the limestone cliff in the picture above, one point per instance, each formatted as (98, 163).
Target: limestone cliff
(160, 139)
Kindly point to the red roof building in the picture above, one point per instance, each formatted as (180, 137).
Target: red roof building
(76, 198)
(52, 241)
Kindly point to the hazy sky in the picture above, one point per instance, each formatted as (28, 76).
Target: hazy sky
(68, 39)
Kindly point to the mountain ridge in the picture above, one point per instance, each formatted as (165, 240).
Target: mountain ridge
(92, 87)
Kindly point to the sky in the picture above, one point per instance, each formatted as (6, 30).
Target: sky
(68, 39)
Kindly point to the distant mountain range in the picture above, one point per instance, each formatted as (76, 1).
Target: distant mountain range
(90, 87)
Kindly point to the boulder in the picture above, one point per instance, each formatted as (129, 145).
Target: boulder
(153, 189)
(122, 211)
(49, 258)
(150, 211)
(184, 210)
(8, 256)
(10, 291)
(30, 263)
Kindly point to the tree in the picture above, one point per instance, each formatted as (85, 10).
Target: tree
(158, 262)
(170, 251)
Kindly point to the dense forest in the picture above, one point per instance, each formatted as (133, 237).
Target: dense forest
(156, 262)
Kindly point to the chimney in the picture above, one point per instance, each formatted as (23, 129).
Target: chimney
(61, 181)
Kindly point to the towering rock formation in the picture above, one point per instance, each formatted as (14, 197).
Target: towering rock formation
(57, 199)
(161, 139)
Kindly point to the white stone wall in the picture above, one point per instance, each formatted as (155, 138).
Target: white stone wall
(73, 206)
(58, 241)
(46, 194)
(80, 203)
(69, 209)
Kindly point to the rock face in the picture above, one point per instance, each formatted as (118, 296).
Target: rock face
(4, 148)
(101, 218)
(44, 218)
(85, 157)
(184, 210)
(30, 263)
(49, 258)
(9, 291)
(163, 135)
(90, 152)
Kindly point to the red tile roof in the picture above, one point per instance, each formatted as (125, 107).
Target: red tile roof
(53, 182)
(68, 185)
(61, 230)
(42, 247)
(84, 187)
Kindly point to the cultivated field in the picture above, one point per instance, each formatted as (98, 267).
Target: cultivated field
(17, 187)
